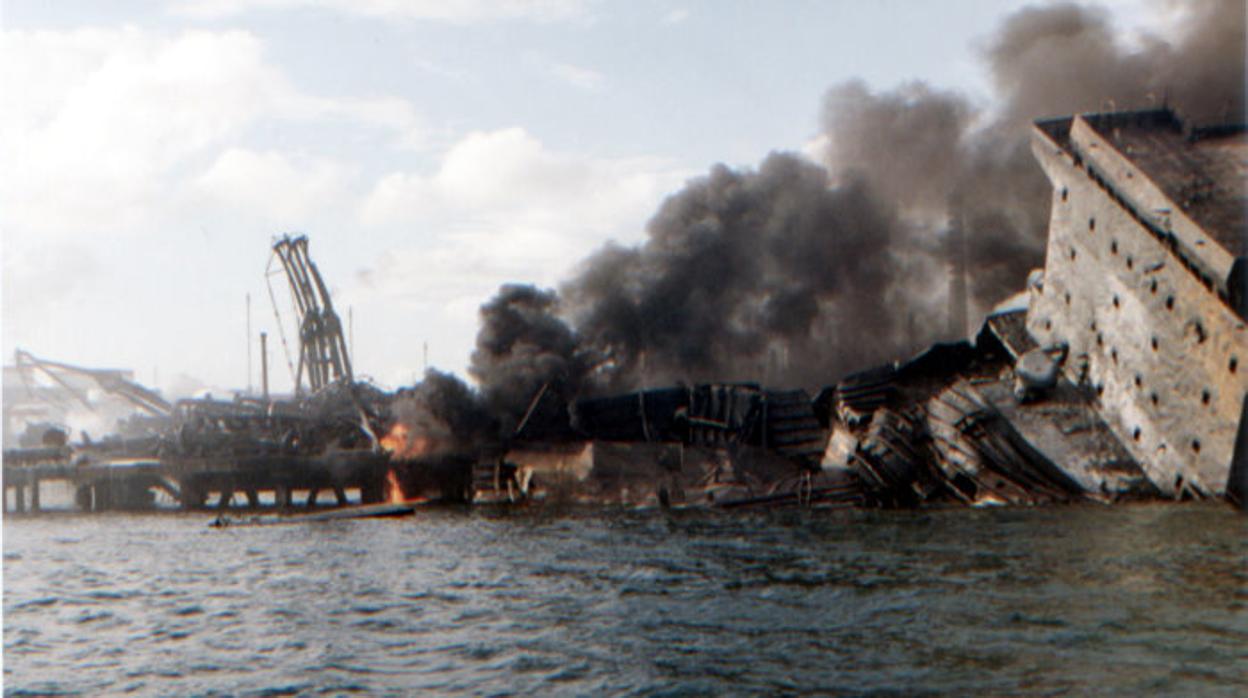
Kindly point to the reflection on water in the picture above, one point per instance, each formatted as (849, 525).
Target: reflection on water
(1123, 600)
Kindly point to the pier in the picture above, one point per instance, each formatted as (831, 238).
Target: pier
(281, 482)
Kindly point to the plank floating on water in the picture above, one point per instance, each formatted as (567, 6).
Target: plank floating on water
(365, 511)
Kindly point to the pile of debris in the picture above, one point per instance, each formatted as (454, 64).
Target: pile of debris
(979, 424)
(989, 422)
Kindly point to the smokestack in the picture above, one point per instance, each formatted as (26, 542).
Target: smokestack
(264, 364)
(957, 282)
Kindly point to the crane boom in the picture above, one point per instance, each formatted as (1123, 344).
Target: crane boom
(323, 352)
(110, 381)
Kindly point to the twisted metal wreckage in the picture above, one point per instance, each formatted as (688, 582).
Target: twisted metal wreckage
(1043, 405)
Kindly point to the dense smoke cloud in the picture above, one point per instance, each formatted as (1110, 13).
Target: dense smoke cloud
(945, 164)
(521, 347)
(440, 415)
(794, 273)
(766, 275)
(1064, 59)
(758, 275)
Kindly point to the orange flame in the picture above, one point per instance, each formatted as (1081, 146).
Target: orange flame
(403, 445)
(394, 493)
(396, 439)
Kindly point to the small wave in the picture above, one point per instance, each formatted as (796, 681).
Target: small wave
(355, 668)
(1024, 619)
(575, 672)
(294, 689)
(90, 617)
(475, 614)
(43, 691)
(377, 624)
(435, 596)
(528, 663)
(341, 688)
(41, 602)
(173, 635)
(104, 595)
(476, 652)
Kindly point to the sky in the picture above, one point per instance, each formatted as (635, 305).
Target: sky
(431, 150)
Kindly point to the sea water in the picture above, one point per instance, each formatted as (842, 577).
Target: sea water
(1127, 600)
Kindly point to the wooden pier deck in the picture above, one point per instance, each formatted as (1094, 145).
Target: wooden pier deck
(280, 482)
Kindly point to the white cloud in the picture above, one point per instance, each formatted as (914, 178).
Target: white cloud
(676, 16)
(500, 179)
(287, 191)
(453, 11)
(52, 273)
(104, 125)
(576, 76)
(580, 77)
(97, 117)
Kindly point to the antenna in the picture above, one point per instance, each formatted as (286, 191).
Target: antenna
(281, 332)
(248, 343)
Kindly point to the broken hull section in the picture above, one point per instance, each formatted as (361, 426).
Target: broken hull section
(669, 475)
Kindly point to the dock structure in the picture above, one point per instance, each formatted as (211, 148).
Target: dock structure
(201, 452)
(195, 483)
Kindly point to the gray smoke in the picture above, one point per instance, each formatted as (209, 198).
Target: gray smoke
(1064, 59)
(793, 274)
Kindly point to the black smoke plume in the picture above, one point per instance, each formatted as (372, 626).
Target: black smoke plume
(794, 273)
(765, 275)
(441, 415)
(524, 347)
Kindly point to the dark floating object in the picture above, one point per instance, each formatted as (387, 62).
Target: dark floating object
(365, 511)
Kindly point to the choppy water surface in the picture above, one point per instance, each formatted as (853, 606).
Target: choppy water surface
(1036, 602)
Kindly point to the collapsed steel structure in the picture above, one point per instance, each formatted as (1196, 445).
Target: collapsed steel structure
(111, 381)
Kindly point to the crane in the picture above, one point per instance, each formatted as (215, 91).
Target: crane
(323, 352)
